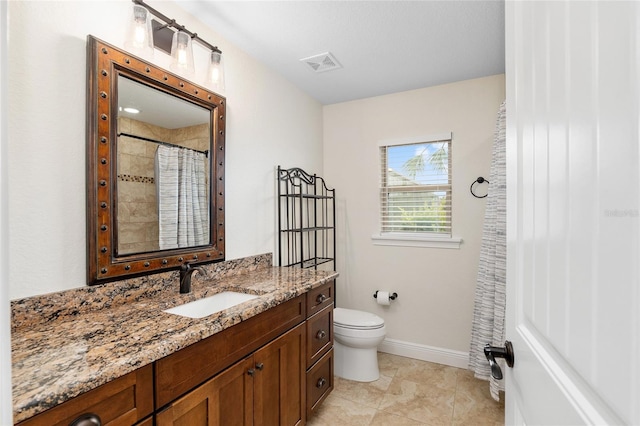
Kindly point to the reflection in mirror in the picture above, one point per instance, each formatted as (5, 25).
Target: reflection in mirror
(155, 144)
(162, 166)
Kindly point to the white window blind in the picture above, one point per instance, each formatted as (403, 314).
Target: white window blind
(415, 187)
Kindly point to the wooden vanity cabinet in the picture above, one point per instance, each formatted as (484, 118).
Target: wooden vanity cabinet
(319, 346)
(182, 371)
(282, 382)
(122, 401)
(264, 386)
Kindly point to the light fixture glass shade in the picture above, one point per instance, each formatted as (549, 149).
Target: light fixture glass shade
(182, 54)
(215, 73)
(139, 39)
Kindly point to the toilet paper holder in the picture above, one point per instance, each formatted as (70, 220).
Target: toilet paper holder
(392, 296)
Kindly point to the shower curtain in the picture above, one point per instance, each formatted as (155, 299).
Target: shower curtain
(183, 211)
(489, 310)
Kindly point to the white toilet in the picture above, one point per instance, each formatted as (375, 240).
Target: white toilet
(357, 335)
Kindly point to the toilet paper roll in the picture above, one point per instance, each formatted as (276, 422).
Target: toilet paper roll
(383, 298)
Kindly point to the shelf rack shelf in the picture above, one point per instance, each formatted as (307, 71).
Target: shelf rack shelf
(306, 220)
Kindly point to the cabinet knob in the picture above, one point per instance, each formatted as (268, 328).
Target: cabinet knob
(321, 298)
(321, 382)
(259, 366)
(87, 419)
(251, 372)
(321, 335)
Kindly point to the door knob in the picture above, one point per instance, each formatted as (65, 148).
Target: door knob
(493, 352)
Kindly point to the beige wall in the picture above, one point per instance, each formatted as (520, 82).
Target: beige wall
(436, 286)
(46, 137)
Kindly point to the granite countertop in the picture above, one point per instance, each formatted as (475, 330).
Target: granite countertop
(70, 342)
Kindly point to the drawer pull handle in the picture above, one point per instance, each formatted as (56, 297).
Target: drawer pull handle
(321, 335)
(321, 298)
(259, 366)
(321, 382)
(87, 419)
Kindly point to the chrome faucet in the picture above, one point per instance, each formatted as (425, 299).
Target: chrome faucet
(186, 271)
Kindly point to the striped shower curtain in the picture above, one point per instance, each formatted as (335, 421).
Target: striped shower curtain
(488, 314)
(183, 209)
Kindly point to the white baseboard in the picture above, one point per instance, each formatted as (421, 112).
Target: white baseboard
(425, 353)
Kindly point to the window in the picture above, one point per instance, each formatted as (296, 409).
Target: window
(415, 188)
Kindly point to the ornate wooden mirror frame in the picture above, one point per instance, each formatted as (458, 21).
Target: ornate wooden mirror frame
(104, 64)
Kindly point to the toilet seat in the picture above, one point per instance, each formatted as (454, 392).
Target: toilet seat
(356, 320)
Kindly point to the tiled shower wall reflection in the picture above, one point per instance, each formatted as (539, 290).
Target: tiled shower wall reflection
(137, 198)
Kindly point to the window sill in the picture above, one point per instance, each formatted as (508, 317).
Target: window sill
(412, 240)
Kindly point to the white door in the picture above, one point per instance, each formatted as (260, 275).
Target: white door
(573, 156)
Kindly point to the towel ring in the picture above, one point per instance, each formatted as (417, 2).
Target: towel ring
(479, 180)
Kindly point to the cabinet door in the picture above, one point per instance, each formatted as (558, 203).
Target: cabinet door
(279, 381)
(225, 400)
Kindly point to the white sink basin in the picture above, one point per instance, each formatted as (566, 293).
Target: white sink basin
(210, 305)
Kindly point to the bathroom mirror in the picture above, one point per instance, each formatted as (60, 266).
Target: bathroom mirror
(155, 168)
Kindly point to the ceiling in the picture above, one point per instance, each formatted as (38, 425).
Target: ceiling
(383, 46)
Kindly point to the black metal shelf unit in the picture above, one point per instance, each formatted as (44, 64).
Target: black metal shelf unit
(306, 221)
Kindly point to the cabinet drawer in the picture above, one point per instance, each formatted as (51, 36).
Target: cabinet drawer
(319, 382)
(319, 298)
(187, 368)
(319, 335)
(124, 400)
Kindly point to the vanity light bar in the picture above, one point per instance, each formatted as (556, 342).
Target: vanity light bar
(172, 23)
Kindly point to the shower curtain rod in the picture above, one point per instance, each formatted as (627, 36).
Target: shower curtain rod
(206, 153)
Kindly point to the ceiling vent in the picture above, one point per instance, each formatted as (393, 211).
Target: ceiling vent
(322, 62)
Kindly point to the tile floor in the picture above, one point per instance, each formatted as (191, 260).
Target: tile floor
(411, 392)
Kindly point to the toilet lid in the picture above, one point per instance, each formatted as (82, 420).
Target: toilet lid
(350, 318)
